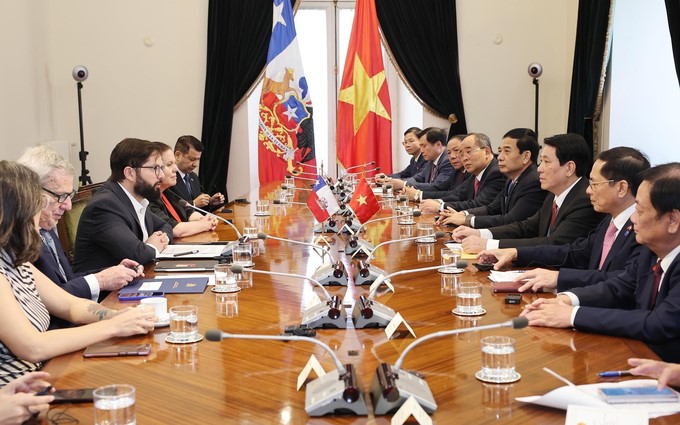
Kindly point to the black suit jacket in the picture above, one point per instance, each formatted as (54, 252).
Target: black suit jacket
(109, 231)
(524, 200)
(576, 218)
(180, 189)
(157, 206)
(490, 185)
(579, 261)
(458, 179)
(75, 285)
(442, 179)
(619, 306)
(413, 168)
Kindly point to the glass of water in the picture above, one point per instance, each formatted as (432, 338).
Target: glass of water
(405, 215)
(114, 405)
(498, 360)
(469, 299)
(250, 228)
(225, 280)
(184, 323)
(243, 254)
(262, 207)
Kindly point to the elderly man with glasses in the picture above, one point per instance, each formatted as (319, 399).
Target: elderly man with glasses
(56, 179)
(117, 222)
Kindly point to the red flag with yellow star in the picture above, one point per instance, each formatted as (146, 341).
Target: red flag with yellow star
(364, 203)
(364, 111)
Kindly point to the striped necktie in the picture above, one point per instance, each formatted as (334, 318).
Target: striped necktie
(48, 240)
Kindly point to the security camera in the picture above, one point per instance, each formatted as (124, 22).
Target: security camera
(535, 70)
(80, 73)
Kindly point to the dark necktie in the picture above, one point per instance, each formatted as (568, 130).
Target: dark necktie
(476, 186)
(553, 216)
(508, 191)
(433, 173)
(187, 181)
(48, 240)
(657, 271)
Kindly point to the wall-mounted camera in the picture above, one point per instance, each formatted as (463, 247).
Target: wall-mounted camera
(80, 73)
(535, 70)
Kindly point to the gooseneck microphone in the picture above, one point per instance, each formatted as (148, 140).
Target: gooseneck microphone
(239, 269)
(437, 235)
(360, 165)
(185, 204)
(459, 265)
(416, 213)
(336, 391)
(278, 202)
(263, 236)
(392, 386)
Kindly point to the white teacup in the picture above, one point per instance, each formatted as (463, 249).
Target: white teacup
(159, 305)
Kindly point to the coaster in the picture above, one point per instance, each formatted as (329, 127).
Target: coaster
(226, 291)
(451, 270)
(514, 378)
(171, 340)
(426, 240)
(251, 264)
(406, 223)
(163, 323)
(263, 214)
(458, 313)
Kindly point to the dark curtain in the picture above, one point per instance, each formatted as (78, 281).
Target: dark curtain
(591, 32)
(422, 36)
(238, 39)
(673, 12)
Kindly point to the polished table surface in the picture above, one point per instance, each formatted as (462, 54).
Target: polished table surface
(254, 382)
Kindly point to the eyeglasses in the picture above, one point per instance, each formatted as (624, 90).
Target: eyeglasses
(469, 152)
(594, 183)
(61, 197)
(158, 169)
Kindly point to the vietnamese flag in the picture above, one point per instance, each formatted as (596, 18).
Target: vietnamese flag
(364, 203)
(364, 112)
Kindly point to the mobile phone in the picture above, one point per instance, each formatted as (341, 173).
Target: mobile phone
(117, 350)
(135, 296)
(483, 267)
(80, 395)
(513, 298)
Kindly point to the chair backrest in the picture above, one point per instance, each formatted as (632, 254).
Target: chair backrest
(68, 224)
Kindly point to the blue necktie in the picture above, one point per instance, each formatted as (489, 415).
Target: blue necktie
(187, 181)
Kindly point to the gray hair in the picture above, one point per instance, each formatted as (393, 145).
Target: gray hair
(45, 161)
(482, 140)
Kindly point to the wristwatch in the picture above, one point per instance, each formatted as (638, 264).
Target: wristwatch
(468, 218)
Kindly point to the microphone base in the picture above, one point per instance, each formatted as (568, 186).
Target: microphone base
(363, 248)
(325, 396)
(324, 275)
(355, 226)
(373, 273)
(228, 251)
(381, 315)
(319, 316)
(325, 228)
(405, 385)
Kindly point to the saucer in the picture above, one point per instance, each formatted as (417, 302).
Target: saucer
(514, 378)
(458, 313)
(451, 270)
(171, 340)
(226, 291)
(163, 322)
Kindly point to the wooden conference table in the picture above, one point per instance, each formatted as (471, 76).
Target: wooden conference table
(254, 382)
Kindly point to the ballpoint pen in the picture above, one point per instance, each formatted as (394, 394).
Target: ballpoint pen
(614, 373)
(179, 254)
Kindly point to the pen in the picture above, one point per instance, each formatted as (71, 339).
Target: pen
(179, 254)
(614, 373)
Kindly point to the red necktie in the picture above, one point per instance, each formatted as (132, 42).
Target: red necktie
(553, 216)
(433, 173)
(476, 186)
(608, 241)
(657, 271)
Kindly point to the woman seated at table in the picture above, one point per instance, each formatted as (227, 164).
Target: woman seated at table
(28, 297)
(184, 221)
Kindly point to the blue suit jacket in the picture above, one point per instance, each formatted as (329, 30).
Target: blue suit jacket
(413, 168)
(619, 306)
(490, 185)
(75, 285)
(579, 261)
(442, 179)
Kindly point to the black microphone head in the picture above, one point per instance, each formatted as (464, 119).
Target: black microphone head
(376, 169)
(371, 163)
(237, 269)
(461, 264)
(417, 213)
(402, 198)
(183, 203)
(277, 201)
(288, 176)
(520, 322)
(213, 335)
(439, 234)
(261, 235)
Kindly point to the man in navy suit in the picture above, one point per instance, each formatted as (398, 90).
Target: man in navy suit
(521, 196)
(642, 302)
(188, 150)
(438, 171)
(614, 181)
(417, 162)
(56, 179)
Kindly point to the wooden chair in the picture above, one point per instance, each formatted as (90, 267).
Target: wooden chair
(68, 225)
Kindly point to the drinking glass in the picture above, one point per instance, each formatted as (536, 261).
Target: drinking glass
(425, 233)
(405, 215)
(184, 323)
(114, 405)
(498, 360)
(469, 299)
(225, 280)
(250, 228)
(262, 207)
(243, 254)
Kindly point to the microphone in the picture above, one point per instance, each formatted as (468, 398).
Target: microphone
(437, 235)
(392, 386)
(368, 313)
(297, 177)
(360, 165)
(376, 169)
(399, 199)
(306, 165)
(328, 314)
(361, 246)
(293, 187)
(185, 204)
(336, 391)
(278, 202)
(263, 236)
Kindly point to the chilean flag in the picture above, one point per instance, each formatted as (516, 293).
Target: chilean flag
(321, 201)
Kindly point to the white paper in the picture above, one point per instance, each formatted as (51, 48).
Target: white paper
(511, 276)
(394, 324)
(581, 415)
(203, 251)
(588, 395)
(312, 364)
(411, 408)
(150, 286)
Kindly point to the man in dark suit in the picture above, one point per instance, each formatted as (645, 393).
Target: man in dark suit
(117, 223)
(643, 301)
(437, 172)
(521, 196)
(566, 213)
(614, 181)
(188, 151)
(416, 163)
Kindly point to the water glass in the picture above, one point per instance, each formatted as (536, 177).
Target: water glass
(425, 233)
(184, 323)
(289, 182)
(498, 360)
(250, 228)
(114, 405)
(469, 299)
(406, 231)
(225, 280)
(388, 191)
(405, 215)
(243, 254)
(226, 305)
(262, 207)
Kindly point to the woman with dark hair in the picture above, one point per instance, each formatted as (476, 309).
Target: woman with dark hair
(28, 297)
(184, 221)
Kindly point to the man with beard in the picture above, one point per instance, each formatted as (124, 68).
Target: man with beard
(117, 223)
